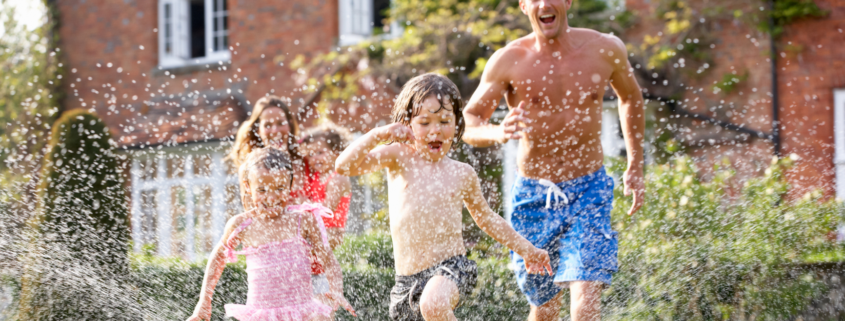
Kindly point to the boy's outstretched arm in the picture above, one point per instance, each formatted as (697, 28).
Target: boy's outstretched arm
(362, 156)
(213, 270)
(536, 260)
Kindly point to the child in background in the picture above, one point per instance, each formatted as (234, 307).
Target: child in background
(321, 147)
(273, 236)
(426, 195)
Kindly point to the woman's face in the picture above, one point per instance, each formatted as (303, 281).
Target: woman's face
(274, 128)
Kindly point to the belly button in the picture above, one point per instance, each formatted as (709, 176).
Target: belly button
(535, 100)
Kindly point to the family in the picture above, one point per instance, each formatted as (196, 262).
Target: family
(296, 191)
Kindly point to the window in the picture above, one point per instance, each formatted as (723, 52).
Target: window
(839, 140)
(193, 32)
(181, 201)
(362, 19)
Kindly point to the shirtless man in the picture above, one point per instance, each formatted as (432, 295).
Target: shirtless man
(556, 76)
(427, 192)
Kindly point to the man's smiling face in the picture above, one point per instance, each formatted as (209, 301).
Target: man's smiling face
(548, 17)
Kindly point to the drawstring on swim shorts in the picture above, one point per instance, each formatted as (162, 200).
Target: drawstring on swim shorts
(553, 189)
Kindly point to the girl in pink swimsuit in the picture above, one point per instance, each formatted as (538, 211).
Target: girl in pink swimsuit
(275, 238)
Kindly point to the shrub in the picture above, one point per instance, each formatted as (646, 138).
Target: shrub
(711, 251)
(81, 228)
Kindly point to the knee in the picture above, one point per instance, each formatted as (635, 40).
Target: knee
(431, 308)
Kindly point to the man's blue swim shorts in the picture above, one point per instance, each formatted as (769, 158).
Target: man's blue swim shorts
(570, 220)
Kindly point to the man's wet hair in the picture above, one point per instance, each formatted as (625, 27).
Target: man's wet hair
(410, 100)
(272, 159)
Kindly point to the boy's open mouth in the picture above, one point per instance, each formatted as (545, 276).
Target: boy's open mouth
(547, 18)
(435, 146)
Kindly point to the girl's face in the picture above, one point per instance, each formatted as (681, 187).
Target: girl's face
(274, 128)
(434, 128)
(269, 190)
(319, 156)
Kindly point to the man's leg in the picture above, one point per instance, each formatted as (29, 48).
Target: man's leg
(439, 299)
(549, 311)
(586, 300)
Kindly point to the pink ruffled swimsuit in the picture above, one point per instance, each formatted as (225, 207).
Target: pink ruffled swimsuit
(279, 275)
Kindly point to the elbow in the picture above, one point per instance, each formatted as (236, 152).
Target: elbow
(342, 169)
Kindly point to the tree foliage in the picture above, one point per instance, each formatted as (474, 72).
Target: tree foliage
(81, 226)
(451, 37)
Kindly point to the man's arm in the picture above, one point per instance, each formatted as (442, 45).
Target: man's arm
(632, 118)
(494, 84)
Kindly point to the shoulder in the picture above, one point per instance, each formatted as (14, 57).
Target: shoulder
(461, 170)
(596, 40)
(233, 223)
(503, 58)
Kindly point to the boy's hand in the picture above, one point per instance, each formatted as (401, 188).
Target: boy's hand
(341, 300)
(396, 132)
(538, 262)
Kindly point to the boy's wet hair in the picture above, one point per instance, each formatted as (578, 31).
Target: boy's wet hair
(271, 159)
(336, 137)
(410, 100)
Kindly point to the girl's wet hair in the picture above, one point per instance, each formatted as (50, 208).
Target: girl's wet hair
(271, 159)
(410, 100)
(248, 139)
(336, 137)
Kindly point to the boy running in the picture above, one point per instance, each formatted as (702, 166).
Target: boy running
(427, 192)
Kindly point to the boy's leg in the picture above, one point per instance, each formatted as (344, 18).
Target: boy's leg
(439, 299)
(548, 311)
(586, 300)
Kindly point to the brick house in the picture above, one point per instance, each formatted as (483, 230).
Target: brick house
(173, 79)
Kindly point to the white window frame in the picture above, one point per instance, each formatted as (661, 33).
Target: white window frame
(162, 185)
(355, 22)
(180, 34)
(839, 140)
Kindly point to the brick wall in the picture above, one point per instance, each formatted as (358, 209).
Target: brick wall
(110, 49)
(811, 64)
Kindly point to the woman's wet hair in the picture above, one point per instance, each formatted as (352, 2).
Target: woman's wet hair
(418, 89)
(272, 159)
(248, 139)
(336, 137)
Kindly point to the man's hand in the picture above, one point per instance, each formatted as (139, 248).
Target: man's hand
(513, 124)
(634, 184)
(396, 132)
(537, 262)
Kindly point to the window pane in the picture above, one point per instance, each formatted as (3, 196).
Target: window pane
(175, 166)
(168, 47)
(148, 220)
(216, 43)
(198, 28)
(149, 169)
(202, 165)
(225, 5)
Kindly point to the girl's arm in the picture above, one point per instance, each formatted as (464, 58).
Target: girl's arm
(336, 189)
(496, 226)
(333, 273)
(213, 270)
(362, 156)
